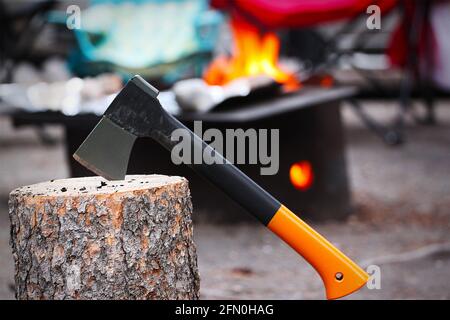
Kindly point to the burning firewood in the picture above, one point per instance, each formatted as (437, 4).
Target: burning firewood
(254, 54)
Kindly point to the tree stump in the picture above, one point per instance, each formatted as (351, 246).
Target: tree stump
(89, 238)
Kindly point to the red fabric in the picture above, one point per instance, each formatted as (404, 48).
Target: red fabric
(398, 46)
(299, 13)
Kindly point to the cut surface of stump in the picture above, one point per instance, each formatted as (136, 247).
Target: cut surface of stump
(89, 238)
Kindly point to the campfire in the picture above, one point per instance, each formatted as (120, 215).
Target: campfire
(254, 54)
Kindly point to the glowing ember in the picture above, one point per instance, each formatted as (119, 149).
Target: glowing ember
(254, 54)
(301, 175)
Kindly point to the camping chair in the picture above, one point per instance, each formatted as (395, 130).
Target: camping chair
(268, 15)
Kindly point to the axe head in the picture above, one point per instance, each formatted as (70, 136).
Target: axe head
(135, 112)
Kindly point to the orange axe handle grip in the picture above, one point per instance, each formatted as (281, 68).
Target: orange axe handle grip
(341, 276)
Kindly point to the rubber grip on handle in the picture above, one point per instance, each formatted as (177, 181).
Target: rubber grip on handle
(340, 275)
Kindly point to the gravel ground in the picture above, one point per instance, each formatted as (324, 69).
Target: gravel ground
(401, 196)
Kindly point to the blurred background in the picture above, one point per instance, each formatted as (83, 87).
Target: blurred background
(359, 90)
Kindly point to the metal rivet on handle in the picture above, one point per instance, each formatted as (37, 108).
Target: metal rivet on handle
(339, 276)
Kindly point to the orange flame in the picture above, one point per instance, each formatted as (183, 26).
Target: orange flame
(253, 55)
(301, 175)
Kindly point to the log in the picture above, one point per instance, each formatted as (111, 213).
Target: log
(89, 238)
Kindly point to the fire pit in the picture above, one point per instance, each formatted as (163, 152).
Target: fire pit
(312, 177)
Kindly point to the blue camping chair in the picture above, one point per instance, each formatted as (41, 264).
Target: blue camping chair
(169, 39)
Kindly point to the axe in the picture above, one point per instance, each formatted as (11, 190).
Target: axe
(136, 112)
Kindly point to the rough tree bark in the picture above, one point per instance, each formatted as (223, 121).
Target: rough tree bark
(88, 238)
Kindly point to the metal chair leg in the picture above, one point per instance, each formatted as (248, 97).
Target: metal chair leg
(390, 135)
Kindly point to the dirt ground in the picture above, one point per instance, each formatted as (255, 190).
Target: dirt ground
(402, 212)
